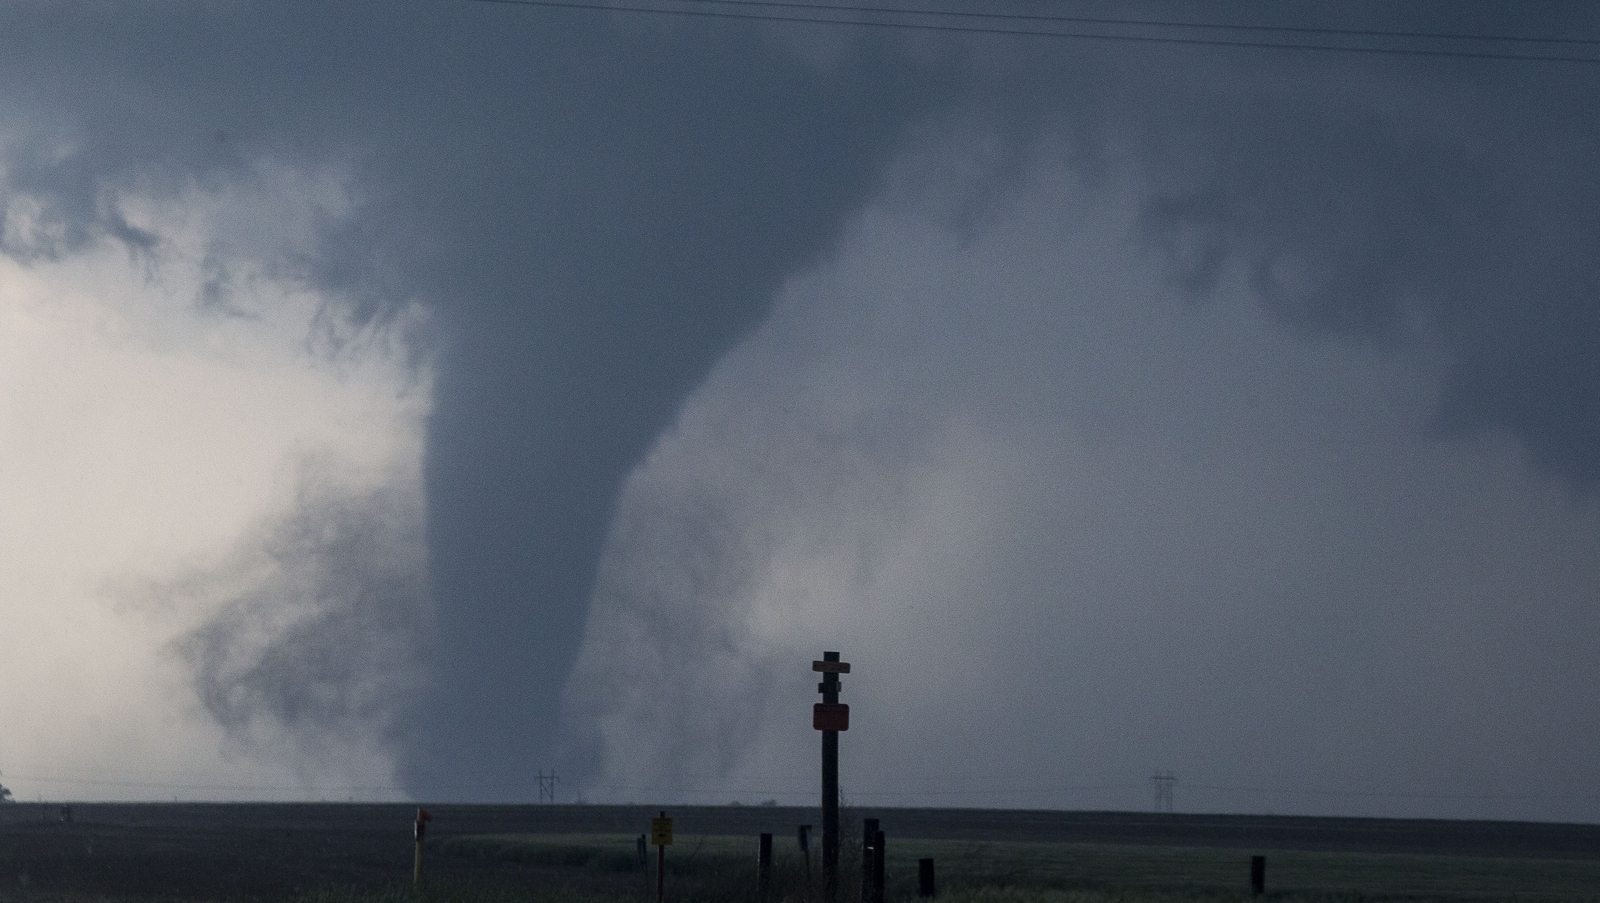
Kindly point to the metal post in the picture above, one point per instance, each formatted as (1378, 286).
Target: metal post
(830, 813)
(831, 667)
(764, 869)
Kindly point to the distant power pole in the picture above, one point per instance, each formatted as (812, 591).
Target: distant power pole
(1163, 781)
(547, 787)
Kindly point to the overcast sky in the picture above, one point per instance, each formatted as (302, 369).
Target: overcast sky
(398, 399)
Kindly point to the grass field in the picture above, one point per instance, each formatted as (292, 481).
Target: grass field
(322, 853)
(717, 867)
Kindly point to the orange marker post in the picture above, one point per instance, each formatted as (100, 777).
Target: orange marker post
(421, 830)
(661, 836)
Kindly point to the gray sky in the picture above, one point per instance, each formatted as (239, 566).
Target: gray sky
(402, 398)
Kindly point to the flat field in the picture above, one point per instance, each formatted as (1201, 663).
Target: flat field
(358, 852)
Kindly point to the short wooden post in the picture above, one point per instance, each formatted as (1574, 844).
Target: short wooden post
(925, 878)
(421, 831)
(1258, 875)
(869, 827)
(805, 851)
(878, 869)
(644, 863)
(764, 869)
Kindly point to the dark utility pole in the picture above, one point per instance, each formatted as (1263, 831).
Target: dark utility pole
(830, 717)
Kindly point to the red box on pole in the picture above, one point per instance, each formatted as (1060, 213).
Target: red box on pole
(830, 716)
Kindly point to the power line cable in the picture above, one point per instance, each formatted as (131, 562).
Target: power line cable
(1394, 794)
(164, 785)
(1159, 23)
(1025, 32)
(770, 791)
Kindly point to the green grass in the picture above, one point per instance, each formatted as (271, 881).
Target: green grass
(722, 869)
(1218, 871)
(610, 853)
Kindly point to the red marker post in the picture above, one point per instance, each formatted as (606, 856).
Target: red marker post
(421, 830)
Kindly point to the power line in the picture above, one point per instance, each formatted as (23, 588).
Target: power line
(163, 785)
(770, 791)
(167, 785)
(1158, 23)
(1069, 35)
(1395, 794)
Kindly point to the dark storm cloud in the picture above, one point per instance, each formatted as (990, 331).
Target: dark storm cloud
(1384, 247)
(597, 208)
(1392, 203)
(593, 211)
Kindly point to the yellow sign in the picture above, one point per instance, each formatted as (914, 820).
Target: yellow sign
(661, 832)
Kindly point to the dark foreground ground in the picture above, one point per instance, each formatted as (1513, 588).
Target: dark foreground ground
(278, 851)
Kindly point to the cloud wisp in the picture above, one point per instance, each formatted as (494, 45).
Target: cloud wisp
(213, 485)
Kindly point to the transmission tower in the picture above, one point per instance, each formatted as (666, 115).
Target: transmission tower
(547, 787)
(1163, 782)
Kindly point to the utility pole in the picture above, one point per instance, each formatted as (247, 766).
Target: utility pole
(830, 716)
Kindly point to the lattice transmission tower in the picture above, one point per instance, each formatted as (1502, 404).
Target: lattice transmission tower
(547, 787)
(1163, 782)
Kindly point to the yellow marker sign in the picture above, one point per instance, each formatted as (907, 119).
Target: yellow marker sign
(661, 832)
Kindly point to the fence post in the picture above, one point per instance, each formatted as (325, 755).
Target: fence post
(421, 831)
(877, 866)
(869, 828)
(644, 863)
(1258, 875)
(925, 878)
(805, 850)
(764, 869)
